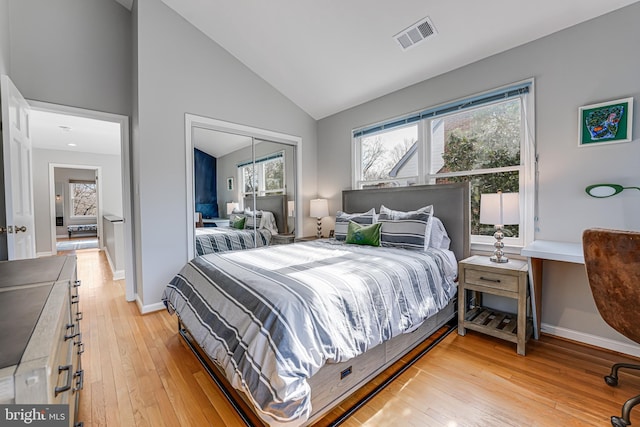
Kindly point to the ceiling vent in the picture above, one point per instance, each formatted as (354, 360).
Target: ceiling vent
(415, 34)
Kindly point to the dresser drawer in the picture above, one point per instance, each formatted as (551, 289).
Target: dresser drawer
(490, 279)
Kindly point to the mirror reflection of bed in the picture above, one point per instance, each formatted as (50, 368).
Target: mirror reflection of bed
(246, 228)
(238, 176)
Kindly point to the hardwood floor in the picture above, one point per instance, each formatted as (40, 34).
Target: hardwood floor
(139, 372)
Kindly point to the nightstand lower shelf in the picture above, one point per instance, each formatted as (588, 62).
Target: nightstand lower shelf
(496, 323)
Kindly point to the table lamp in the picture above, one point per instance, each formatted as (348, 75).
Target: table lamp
(499, 209)
(319, 209)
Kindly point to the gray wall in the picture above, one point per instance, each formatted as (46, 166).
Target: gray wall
(585, 64)
(72, 52)
(180, 70)
(4, 36)
(111, 187)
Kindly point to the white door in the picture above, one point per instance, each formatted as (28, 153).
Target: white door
(18, 185)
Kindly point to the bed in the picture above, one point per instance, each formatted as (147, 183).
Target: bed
(261, 317)
(271, 220)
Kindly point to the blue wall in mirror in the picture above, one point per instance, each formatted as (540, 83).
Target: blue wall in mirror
(205, 180)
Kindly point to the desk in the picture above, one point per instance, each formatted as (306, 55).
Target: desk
(536, 252)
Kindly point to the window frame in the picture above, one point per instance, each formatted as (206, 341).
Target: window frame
(526, 169)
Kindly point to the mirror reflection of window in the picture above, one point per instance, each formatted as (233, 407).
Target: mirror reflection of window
(265, 177)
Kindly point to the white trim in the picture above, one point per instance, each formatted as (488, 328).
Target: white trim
(125, 161)
(605, 343)
(43, 254)
(144, 309)
(117, 274)
(193, 120)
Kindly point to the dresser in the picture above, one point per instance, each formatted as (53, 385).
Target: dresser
(40, 334)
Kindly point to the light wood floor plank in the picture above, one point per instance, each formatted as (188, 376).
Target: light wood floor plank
(139, 372)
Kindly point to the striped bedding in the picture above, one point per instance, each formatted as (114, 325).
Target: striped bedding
(272, 317)
(222, 239)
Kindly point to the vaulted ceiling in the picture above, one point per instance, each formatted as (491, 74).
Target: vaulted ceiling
(330, 55)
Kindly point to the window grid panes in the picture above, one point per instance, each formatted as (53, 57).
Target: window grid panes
(482, 145)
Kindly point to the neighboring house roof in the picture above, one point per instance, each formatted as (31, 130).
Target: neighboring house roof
(404, 160)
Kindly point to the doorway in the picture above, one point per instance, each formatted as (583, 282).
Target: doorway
(75, 138)
(76, 192)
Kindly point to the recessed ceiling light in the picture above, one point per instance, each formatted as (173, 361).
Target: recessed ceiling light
(65, 128)
(71, 144)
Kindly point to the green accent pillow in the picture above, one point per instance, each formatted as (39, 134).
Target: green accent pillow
(363, 234)
(239, 223)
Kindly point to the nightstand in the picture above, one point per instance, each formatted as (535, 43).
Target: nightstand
(482, 276)
(282, 239)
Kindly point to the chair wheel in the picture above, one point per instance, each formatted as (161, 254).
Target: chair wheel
(619, 422)
(611, 380)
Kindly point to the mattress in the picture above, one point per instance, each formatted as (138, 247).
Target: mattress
(223, 239)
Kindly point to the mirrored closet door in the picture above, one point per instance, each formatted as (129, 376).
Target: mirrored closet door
(241, 182)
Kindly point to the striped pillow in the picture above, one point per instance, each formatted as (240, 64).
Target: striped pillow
(253, 218)
(410, 230)
(343, 218)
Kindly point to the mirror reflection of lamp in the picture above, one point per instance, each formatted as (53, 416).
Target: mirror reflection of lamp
(291, 213)
(231, 206)
(499, 209)
(601, 191)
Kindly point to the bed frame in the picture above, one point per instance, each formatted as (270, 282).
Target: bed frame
(336, 381)
(276, 204)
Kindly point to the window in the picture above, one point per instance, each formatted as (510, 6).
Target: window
(264, 177)
(84, 202)
(485, 140)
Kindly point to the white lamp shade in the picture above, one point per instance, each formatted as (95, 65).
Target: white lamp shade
(231, 206)
(319, 208)
(500, 208)
(291, 208)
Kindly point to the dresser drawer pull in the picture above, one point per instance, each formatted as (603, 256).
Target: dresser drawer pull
(77, 283)
(78, 316)
(67, 386)
(80, 380)
(73, 333)
(489, 279)
(79, 424)
(74, 299)
(80, 345)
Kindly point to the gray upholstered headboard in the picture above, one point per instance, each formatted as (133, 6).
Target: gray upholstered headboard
(450, 203)
(276, 204)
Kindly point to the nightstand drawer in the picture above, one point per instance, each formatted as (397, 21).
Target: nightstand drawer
(491, 280)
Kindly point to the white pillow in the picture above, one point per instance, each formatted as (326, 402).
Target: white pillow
(439, 236)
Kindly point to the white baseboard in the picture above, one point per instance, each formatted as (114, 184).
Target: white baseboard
(43, 254)
(117, 274)
(609, 344)
(144, 309)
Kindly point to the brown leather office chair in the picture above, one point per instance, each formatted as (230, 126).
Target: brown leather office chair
(612, 259)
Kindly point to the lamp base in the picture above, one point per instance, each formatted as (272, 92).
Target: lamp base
(498, 259)
(498, 254)
(319, 229)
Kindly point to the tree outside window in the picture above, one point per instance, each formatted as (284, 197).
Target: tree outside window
(84, 202)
